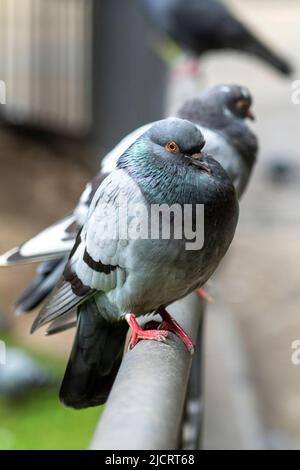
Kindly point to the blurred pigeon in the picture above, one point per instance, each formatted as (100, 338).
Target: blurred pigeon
(198, 26)
(220, 113)
(110, 279)
(21, 374)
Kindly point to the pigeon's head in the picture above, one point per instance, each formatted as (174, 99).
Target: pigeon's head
(177, 140)
(224, 109)
(237, 100)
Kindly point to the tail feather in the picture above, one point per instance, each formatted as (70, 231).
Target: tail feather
(48, 276)
(95, 359)
(61, 301)
(274, 60)
(64, 323)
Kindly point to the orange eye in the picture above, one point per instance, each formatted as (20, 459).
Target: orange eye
(172, 147)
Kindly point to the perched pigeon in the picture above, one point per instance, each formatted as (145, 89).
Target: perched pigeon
(112, 278)
(199, 26)
(220, 113)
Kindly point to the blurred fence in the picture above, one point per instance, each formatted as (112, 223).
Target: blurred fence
(83, 68)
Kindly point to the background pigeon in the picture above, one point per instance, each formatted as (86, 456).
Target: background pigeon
(220, 112)
(107, 278)
(20, 374)
(199, 26)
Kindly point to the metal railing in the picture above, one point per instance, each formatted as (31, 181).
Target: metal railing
(156, 402)
(46, 63)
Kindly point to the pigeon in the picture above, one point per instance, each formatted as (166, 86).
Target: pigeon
(220, 113)
(198, 26)
(113, 277)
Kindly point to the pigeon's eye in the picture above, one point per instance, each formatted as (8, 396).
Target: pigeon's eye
(172, 147)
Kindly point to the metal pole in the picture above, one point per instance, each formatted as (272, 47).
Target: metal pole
(146, 405)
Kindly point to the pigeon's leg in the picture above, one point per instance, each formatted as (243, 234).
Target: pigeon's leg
(170, 324)
(138, 333)
(203, 295)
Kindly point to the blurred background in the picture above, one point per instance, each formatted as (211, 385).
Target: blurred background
(81, 74)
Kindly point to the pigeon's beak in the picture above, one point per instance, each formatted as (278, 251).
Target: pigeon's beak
(197, 160)
(250, 114)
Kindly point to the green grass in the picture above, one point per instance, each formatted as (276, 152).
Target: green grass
(40, 422)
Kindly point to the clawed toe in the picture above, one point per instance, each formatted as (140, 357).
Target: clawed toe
(139, 334)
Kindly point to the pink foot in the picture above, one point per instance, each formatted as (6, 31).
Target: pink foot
(171, 325)
(138, 333)
(203, 295)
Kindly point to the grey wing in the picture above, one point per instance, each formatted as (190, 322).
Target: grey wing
(98, 260)
(96, 263)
